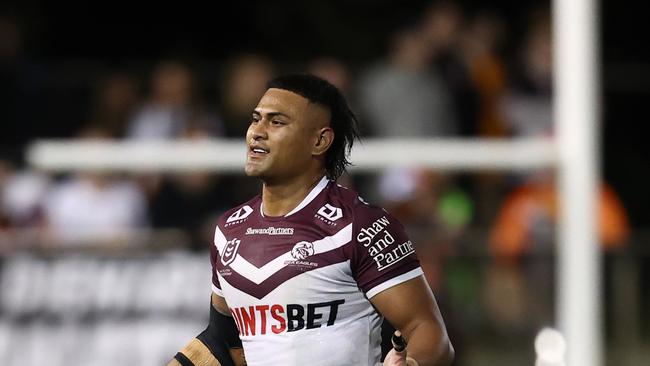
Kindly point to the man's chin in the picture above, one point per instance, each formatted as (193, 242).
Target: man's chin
(253, 171)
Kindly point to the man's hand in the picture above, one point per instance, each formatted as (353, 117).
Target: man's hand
(394, 358)
(397, 355)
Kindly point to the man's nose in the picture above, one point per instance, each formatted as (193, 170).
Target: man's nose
(258, 130)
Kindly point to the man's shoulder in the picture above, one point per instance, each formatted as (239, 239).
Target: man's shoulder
(340, 196)
(352, 202)
(239, 214)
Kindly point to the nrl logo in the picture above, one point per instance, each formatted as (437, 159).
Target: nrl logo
(302, 250)
(230, 251)
(240, 214)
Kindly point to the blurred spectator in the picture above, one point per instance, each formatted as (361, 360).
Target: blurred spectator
(526, 220)
(172, 109)
(479, 45)
(442, 27)
(522, 240)
(191, 202)
(441, 24)
(94, 207)
(401, 96)
(332, 70)
(22, 194)
(114, 103)
(5, 174)
(480, 52)
(338, 74)
(528, 107)
(243, 84)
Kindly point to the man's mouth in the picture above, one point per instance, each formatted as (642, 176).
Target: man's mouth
(258, 150)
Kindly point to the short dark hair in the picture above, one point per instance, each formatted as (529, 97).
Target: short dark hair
(343, 121)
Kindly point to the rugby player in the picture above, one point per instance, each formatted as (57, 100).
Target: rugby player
(304, 273)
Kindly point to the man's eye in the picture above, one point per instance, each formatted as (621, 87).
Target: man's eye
(276, 122)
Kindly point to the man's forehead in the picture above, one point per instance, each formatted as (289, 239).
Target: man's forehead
(279, 100)
(289, 103)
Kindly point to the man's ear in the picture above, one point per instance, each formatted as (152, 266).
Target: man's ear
(324, 140)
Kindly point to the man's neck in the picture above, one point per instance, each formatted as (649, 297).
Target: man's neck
(281, 198)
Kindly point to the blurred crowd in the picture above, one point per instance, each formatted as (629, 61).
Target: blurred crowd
(445, 73)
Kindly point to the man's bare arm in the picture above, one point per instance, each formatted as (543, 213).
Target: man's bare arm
(411, 308)
(199, 354)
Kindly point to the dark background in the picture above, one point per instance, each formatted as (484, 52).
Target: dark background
(74, 39)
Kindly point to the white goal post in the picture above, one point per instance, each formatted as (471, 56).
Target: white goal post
(577, 117)
(574, 153)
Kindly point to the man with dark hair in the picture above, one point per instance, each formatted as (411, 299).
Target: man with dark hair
(303, 273)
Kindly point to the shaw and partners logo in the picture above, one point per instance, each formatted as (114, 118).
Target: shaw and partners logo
(230, 251)
(270, 231)
(329, 214)
(377, 239)
(239, 215)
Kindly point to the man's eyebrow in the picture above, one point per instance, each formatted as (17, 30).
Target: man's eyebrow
(271, 114)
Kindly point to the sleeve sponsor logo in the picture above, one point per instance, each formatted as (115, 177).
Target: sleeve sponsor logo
(385, 260)
(270, 231)
(366, 234)
(230, 251)
(376, 238)
(330, 212)
(276, 318)
(239, 215)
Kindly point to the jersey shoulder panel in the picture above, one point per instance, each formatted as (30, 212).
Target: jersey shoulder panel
(239, 214)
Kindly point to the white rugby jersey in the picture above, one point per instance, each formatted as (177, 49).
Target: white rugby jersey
(299, 285)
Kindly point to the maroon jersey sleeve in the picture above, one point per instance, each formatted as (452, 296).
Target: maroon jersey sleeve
(214, 260)
(383, 255)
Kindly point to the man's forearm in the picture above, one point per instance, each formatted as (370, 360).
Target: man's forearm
(427, 349)
(217, 345)
(197, 353)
